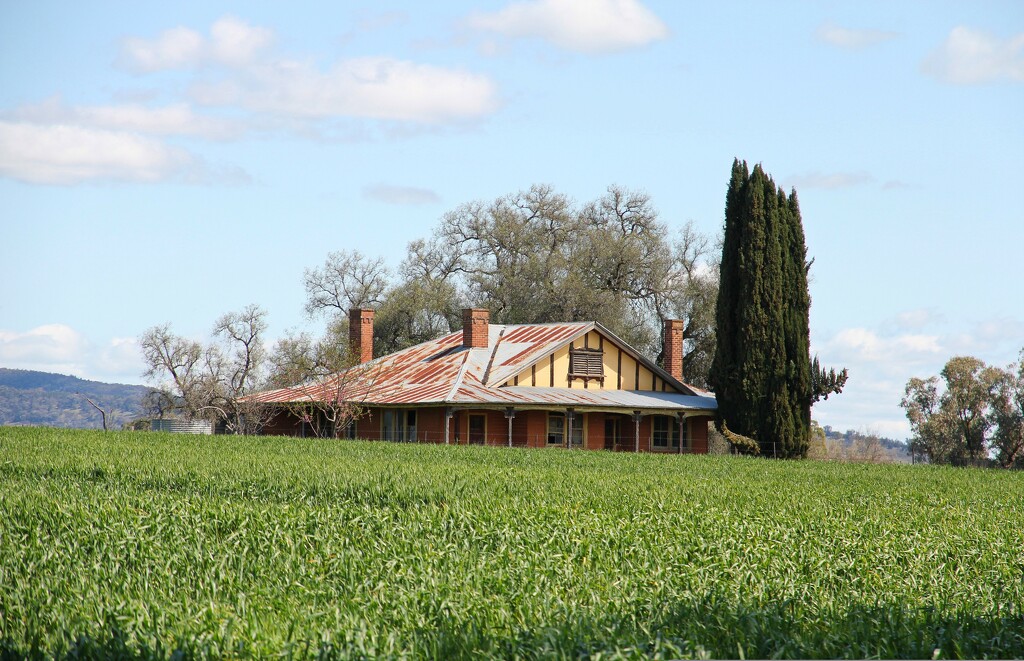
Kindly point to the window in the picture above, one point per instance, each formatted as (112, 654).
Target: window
(664, 432)
(398, 425)
(586, 364)
(557, 429)
(349, 431)
(577, 430)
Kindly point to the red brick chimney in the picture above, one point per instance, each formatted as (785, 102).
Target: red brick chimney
(673, 348)
(360, 334)
(475, 322)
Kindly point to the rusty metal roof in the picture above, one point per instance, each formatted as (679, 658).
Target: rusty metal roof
(444, 372)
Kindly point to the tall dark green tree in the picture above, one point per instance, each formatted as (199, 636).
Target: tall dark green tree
(762, 372)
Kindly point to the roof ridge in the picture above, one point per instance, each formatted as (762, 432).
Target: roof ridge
(494, 352)
(457, 381)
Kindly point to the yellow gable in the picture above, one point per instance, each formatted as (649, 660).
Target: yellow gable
(619, 370)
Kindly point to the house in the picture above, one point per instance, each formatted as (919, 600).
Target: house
(573, 385)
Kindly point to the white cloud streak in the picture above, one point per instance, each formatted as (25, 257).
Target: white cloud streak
(830, 180)
(54, 143)
(237, 70)
(852, 39)
(370, 87)
(584, 26)
(68, 154)
(48, 344)
(864, 345)
(61, 349)
(231, 42)
(235, 42)
(176, 119)
(970, 57)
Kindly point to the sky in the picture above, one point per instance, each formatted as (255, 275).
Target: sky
(170, 162)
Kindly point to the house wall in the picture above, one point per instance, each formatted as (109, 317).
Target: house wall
(536, 428)
(594, 431)
(283, 423)
(621, 371)
(495, 426)
(699, 434)
(529, 428)
(368, 426)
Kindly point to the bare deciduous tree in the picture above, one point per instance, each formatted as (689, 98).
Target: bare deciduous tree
(214, 379)
(346, 280)
(176, 364)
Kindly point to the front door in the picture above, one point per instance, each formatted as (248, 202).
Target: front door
(477, 429)
(612, 431)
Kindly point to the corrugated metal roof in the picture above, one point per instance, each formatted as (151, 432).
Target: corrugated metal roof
(444, 372)
(614, 399)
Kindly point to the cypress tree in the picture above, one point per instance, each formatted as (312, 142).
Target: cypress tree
(798, 332)
(762, 372)
(724, 374)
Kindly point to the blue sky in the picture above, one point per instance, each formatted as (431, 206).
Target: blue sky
(174, 161)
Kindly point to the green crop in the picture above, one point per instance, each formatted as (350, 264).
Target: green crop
(157, 545)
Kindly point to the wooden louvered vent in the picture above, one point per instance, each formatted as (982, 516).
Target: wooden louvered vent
(586, 364)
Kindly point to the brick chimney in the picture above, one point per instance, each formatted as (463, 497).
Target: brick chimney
(673, 348)
(475, 322)
(360, 334)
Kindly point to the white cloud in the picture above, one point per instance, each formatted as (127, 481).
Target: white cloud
(400, 194)
(61, 349)
(237, 71)
(586, 26)
(852, 39)
(232, 42)
(174, 119)
(235, 42)
(999, 338)
(119, 361)
(49, 344)
(67, 154)
(830, 180)
(173, 49)
(369, 87)
(861, 344)
(970, 56)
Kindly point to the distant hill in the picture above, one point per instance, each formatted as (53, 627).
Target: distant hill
(859, 446)
(57, 400)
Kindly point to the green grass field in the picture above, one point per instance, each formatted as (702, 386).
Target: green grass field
(128, 544)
